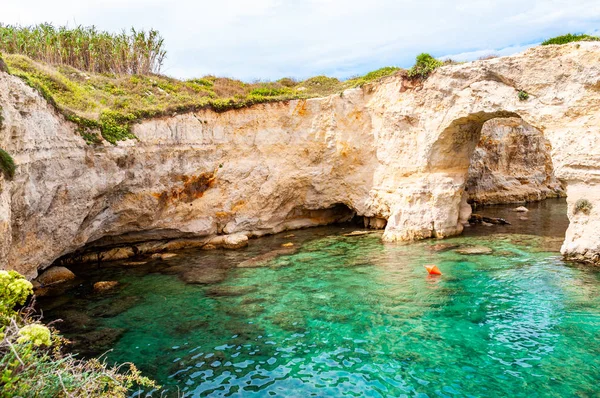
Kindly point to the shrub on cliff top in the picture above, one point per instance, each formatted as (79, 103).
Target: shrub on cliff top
(7, 164)
(31, 362)
(568, 38)
(425, 64)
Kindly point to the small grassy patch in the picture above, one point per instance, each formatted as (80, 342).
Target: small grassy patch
(523, 95)
(569, 38)
(7, 164)
(108, 104)
(373, 76)
(582, 206)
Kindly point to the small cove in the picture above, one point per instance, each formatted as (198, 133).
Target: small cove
(349, 315)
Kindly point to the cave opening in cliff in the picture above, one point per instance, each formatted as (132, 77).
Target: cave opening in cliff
(504, 159)
(511, 163)
(336, 214)
(497, 158)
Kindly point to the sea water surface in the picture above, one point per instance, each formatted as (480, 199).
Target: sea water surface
(352, 316)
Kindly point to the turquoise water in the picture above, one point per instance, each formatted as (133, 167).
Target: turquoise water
(350, 316)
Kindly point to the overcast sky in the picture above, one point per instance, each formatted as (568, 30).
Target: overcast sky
(270, 39)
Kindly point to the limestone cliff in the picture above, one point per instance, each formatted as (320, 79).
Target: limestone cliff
(395, 151)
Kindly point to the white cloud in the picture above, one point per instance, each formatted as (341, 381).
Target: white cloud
(472, 55)
(269, 39)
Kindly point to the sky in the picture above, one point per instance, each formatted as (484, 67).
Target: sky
(271, 39)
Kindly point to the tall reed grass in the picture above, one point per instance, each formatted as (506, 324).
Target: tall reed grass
(86, 48)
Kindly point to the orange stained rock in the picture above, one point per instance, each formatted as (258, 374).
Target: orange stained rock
(432, 269)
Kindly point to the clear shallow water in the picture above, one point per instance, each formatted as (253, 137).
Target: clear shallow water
(352, 316)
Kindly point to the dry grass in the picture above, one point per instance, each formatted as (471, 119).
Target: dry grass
(489, 56)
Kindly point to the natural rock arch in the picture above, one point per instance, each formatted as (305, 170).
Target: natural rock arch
(435, 202)
(455, 145)
(512, 163)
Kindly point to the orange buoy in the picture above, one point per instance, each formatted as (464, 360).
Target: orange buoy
(432, 269)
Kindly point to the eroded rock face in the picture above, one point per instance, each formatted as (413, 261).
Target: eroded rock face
(511, 164)
(390, 151)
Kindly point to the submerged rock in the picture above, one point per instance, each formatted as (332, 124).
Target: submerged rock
(521, 209)
(474, 250)
(190, 326)
(72, 321)
(115, 307)
(245, 311)
(55, 290)
(164, 256)
(479, 219)
(230, 291)
(290, 321)
(54, 275)
(264, 259)
(359, 233)
(442, 247)
(96, 342)
(134, 263)
(288, 244)
(204, 275)
(103, 286)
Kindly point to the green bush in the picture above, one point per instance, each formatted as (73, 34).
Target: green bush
(203, 82)
(270, 92)
(7, 164)
(287, 82)
(424, 65)
(523, 95)
(372, 76)
(31, 361)
(14, 291)
(569, 38)
(582, 206)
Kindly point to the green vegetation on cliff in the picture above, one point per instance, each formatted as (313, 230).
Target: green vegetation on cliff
(569, 38)
(105, 82)
(109, 103)
(424, 65)
(7, 164)
(31, 362)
